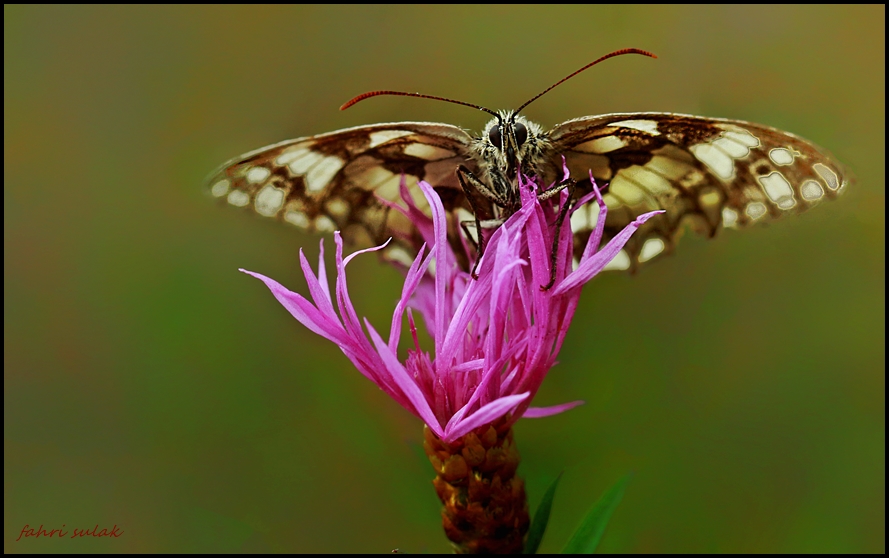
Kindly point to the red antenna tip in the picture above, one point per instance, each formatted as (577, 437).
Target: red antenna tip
(370, 94)
(363, 96)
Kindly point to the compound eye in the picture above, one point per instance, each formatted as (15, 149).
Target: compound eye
(521, 133)
(495, 136)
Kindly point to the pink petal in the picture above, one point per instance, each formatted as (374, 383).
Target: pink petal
(539, 412)
(324, 324)
(411, 280)
(408, 387)
(486, 415)
(319, 290)
(597, 262)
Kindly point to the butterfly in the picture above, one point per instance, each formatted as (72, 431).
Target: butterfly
(705, 173)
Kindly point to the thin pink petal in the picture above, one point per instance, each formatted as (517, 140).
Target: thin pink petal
(407, 385)
(344, 303)
(352, 256)
(539, 412)
(486, 415)
(597, 262)
(411, 280)
(595, 238)
(324, 324)
(319, 290)
(322, 272)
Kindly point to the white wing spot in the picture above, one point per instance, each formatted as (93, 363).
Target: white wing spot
(781, 156)
(580, 219)
(605, 144)
(778, 189)
(465, 215)
(620, 262)
(669, 168)
(756, 209)
(324, 224)
(378, 138)
(369, 175)
(297, 218)
(428, 152)
(811, 190)
(651, 248)
(611, 201)
(301, 165)
(647, 179)
(743, 137)
(833, 181)
(257, 175)
(323, 172)
(719, 154)
(732, 148)
(288, 157)
(220, 188)
(269, 201)
(718, 161)
(649, 126)
(238, 198)
(337, 207)
(594, 214)
(628, 192)
(389, 189)
(729, 217)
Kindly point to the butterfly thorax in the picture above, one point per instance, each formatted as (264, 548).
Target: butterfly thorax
(508, 143)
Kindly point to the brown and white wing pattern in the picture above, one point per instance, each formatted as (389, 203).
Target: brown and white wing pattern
(333, 181)
(706, 173)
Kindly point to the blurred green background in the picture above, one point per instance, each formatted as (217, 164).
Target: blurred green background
(148, 384)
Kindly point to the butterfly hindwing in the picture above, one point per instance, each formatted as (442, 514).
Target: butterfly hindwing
(706, 173)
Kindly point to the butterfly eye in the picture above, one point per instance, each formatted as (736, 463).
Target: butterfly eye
(495, 137)
(521, 133)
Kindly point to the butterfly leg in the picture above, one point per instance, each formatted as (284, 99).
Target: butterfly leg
(466, 178)
(480, 246)
(463, 225)
(567, 183)
(571, 184)
(465, 175)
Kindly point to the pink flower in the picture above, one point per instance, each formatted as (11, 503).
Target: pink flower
(495, 337)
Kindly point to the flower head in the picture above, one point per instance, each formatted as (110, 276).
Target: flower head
(495, 338)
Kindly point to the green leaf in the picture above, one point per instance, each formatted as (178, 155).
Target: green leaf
(587, 537)
(541, 518)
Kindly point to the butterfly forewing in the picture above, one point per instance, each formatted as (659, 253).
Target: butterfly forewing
(341, 181)
(706, 174)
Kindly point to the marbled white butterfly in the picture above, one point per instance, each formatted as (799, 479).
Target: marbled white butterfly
(706, 173)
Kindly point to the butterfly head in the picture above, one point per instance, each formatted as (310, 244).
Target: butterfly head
(508, 142)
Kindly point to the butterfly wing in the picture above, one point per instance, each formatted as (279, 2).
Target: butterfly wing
(706, 173)
(336, 181)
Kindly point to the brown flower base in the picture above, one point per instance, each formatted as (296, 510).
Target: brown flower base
(485, 507)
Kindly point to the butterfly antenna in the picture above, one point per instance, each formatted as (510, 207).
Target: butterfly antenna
(370, 94)
(593, 63)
